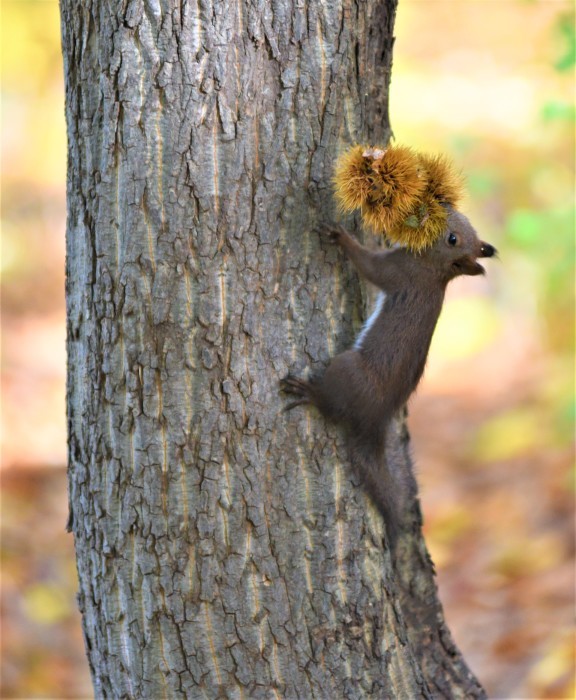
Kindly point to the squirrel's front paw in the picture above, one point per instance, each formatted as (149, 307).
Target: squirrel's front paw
(332, 232)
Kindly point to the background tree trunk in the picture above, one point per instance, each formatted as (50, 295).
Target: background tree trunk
(223, 548)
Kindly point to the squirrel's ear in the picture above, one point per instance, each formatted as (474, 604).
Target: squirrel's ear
(401, 194)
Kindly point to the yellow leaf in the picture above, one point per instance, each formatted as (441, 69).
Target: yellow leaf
(46, 604)
(466, 326)
(509, 435)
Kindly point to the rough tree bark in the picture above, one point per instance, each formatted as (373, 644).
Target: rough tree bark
(223, 547)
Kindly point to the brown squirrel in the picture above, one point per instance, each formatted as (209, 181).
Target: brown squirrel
(364, 387)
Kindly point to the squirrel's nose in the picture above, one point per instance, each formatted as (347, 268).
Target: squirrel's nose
(487, 250)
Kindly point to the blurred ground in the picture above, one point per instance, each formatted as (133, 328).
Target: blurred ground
(499, 513)
(42, 645)
(491, 83)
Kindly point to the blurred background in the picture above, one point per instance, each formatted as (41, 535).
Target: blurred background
(493, 85)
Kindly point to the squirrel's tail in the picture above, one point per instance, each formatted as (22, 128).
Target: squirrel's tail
(389, 490)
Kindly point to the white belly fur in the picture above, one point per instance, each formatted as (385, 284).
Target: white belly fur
(370, 321)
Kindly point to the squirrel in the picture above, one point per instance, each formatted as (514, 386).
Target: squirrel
(365, 386)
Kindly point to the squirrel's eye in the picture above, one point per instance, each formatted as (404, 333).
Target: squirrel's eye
(452, 239)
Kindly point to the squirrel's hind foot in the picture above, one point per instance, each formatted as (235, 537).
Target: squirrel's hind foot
(296, 387)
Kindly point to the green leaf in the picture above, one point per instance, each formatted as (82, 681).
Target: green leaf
(524, 227)
(556, 110)
(567, 29)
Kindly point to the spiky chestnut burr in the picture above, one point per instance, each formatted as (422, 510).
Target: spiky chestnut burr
(401, 194)
(384, 183)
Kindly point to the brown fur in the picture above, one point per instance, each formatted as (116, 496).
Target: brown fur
(362, 388)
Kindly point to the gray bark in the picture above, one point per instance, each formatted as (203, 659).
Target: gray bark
(223, 547)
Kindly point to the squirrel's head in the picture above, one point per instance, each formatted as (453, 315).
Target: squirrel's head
(456, 252)
(410, 198)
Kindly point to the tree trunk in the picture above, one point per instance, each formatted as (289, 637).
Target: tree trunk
(223, 548)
